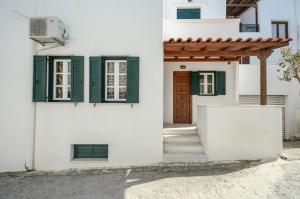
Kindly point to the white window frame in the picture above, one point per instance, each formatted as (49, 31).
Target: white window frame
(116, 79)
(65, 74)
(206, 84)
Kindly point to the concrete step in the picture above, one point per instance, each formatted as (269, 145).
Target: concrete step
(190, 130)
(185, 157)
(188, 147)
(181, 138)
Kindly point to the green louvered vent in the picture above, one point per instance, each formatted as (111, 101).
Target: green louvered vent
(77, 79)
(90, 151)
(133, 79)
(39, 79)
(96, 79)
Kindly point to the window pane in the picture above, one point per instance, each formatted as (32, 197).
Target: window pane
(110, 93)
(59, 79)
(202, 89)
(122, 93)
(59, 67)
(122, 80)
(274, 31)
(201, 78)
(69, 80)
(59, 92)
(110, 80)
(69, 67)
(110, 67)
(282, 31)
(209, 79)
(209, 89)
(69, 92)
(123, 67)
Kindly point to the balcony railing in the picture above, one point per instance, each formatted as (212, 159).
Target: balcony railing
(249, 27)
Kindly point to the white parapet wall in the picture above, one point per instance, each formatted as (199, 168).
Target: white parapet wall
(240, 132)
(204, 28)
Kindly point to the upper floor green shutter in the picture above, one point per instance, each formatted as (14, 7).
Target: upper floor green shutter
(195, 83)
(220, 83)
(77, 81)
(96, 82)
(133, 79)
(39, 78)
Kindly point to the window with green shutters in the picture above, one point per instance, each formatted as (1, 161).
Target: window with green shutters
(208, 83)
(90, 151)
(114, 80)
(58, 78)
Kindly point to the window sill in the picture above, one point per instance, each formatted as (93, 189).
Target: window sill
(208, 95)
(89, 160)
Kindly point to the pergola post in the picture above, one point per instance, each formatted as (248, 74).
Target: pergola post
(263, 76)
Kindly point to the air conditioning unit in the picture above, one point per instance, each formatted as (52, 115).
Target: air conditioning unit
(47, 30)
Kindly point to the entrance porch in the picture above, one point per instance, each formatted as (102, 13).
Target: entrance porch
(200, 84)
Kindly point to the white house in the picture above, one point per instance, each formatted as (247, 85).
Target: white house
(122, 89)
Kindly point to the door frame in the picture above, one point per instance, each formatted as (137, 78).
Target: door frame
(190, 96)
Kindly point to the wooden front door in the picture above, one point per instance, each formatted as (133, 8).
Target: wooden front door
(182, 98)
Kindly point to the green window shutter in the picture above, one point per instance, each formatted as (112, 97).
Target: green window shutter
(220, 82)
(133, 79)
(39, 78)
(50, 79)
(90, 151)
(96, 82)
(77, 82)
(195, 83)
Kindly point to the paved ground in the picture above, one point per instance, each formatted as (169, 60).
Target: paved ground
(280, 179)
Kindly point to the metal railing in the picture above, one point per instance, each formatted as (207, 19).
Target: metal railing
(249, 27)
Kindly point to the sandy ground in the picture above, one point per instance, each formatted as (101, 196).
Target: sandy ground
(249, 180)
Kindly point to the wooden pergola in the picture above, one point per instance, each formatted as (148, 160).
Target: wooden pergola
(209, 50)
(237, 7)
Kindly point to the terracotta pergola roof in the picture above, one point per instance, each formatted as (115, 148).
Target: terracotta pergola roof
(234, 8)
(225, 50)
(219, 49)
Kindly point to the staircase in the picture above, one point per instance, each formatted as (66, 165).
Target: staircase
(182, 144)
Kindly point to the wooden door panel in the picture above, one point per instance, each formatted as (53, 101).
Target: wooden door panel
(182, 97)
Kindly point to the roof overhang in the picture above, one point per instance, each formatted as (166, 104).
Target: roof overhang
(189, 50)
(234, 8)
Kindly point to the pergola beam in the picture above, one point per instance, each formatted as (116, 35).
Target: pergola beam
(211, 53)
(241, 5)
(201, 59)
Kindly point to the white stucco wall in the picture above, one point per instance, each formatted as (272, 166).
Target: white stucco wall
(249, 84)
(205, 28)
(249, 81)
(249, 16)
(228, 99)
(96, 28)
(240, 132)
(210, 9)
(134, 134)
(298, 122)
(16, 108)
(281, 10)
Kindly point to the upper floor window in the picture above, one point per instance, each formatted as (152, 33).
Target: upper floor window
(280, 29)
(116, 78)
(188, 13)
(62, 79)
(58, 78)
